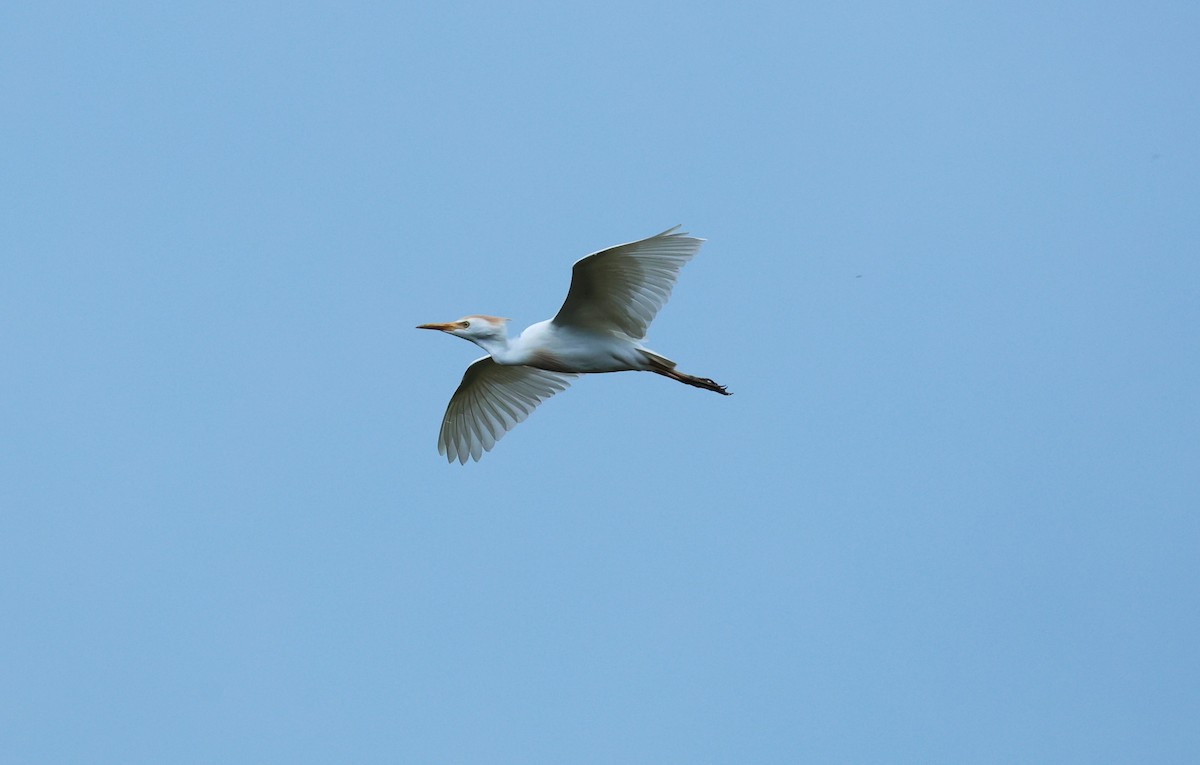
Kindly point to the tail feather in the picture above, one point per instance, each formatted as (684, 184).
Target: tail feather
(657, 362)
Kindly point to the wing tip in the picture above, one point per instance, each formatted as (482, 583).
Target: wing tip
(674, 231)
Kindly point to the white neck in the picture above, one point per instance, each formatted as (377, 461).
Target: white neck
(497, 346)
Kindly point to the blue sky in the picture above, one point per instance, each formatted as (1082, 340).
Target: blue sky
(951, 276)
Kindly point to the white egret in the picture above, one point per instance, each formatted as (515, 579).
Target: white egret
(614, 296)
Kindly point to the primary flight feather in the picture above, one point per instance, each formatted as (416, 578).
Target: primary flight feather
(614, 295)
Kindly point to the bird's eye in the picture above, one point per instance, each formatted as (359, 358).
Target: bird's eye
(464, 324)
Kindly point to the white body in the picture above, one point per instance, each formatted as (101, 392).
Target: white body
(558, 348)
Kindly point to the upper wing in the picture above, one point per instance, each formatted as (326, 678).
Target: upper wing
(624, 286)
(490, 401)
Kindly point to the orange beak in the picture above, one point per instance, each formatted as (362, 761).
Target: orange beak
(443, 327)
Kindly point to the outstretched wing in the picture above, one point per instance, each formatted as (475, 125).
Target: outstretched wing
(623, 287)
(490, 401)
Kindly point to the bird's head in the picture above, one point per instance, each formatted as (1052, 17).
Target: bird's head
(473, 328)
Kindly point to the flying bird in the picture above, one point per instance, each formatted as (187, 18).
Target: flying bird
(614, 295)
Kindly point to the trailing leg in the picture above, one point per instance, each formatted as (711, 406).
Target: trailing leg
(692, 380)
(663, 366)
